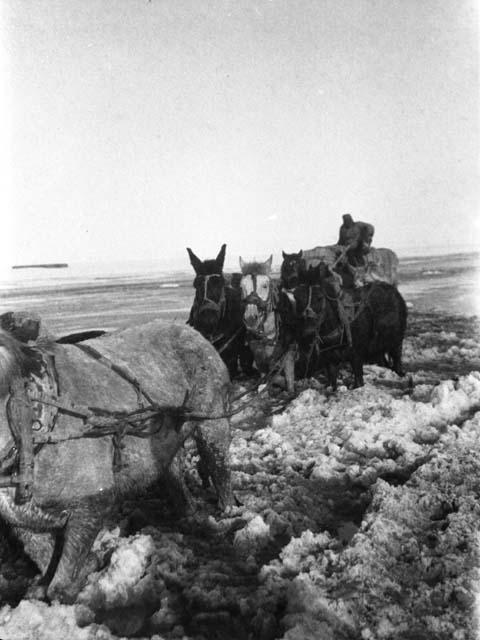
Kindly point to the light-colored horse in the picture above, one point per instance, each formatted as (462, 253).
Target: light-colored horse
(153, 386)
(259, 298)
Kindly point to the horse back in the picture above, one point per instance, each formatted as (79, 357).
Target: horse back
(384, 306)
(382, 265)
(328, 254)
(166, 359)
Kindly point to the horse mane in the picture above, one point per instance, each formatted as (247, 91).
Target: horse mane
(16, 359)
(255, 268)
(11, 359)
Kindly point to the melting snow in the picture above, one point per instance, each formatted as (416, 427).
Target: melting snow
(358, 516)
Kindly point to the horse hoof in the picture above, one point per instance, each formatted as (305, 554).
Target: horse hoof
(36, 592)
(237, 503)
(64, 595)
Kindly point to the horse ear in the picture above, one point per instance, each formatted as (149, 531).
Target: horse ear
(300, 253)
(194, 261)
(242, 263)
(284, 255)
(220, 259)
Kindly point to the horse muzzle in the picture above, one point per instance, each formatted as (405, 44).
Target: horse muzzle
(207, 319)
(252, 317)
(210, 306)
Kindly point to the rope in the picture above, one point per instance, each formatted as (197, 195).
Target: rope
(100, 422)
(230, 340)
(341, 255)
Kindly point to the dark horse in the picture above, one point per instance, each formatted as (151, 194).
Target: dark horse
(296, 271)
(377, 328)
(217, 311)
(295, 265)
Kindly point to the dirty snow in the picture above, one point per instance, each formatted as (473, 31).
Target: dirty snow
(357, 518)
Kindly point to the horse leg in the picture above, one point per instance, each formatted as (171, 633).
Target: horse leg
(289, 369)
(76, 560)
(382, 361)
(39, 547)
(230, 358)
(213, 438)
(396, 355)
(301, 366)
(246, 360)
(357, 368)
(332, 374)
(213, 448)
(175, 486)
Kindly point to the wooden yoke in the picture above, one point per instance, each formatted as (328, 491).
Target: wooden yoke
(20, 418)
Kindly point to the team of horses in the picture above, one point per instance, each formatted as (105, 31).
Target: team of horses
(93, 418)
(330, 305)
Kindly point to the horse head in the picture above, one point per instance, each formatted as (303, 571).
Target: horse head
(209, 303)
(292, 268)
(257, 292)
(319, 285)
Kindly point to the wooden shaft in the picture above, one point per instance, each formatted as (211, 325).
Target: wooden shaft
(20, 417)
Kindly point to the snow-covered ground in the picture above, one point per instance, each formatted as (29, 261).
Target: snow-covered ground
(357, 518)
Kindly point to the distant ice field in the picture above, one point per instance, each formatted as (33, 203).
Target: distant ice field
(109, 296)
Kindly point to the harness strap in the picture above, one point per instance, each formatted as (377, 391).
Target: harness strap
(119, 370)
(118, 445)
(230, 340)
(98, 423)
(309, 301)
(264, 307)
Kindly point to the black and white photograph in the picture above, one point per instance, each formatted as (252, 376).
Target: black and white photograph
(240, 320)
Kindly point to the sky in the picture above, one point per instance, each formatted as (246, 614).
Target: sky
(132, 129)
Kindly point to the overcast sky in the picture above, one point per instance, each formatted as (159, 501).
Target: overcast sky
(135, 128)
